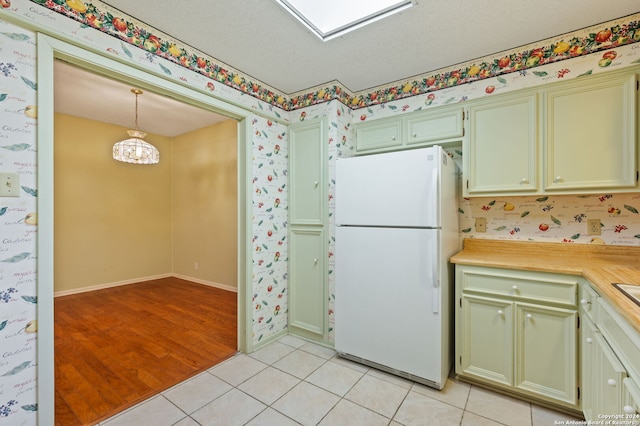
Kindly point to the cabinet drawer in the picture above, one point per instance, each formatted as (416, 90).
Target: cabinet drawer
(541, 287)
(379, 134)
(433, 126)
(588, 299)
(624, 339)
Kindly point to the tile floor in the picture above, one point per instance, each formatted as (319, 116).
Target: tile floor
(292, 382)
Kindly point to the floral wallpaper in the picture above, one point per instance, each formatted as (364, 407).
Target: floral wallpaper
(270, 163)
(18, 296)
(559, 219)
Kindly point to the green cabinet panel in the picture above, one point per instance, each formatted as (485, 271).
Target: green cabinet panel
(434, 125)
(609, 374)
(379, 134)
(590, 138)
(485, 339)
(500, 154)
(306, 273)
(307, 164)
(631, 400)
(546, 344)
(587, 367)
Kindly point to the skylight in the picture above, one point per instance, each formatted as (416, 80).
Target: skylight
(332, 18)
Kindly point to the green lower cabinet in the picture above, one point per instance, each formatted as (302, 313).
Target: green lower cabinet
(587, 366)
(486, 339)
(609, 374)
(546, 352)
(631, 400)
(307, 296)
(517, 331)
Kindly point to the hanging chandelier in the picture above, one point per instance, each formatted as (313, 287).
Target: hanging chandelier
(135, 150)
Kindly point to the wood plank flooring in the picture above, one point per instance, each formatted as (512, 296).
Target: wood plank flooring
(116, 347)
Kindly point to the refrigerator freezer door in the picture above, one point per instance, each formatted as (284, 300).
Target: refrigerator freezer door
(392, 189)
(386, 297)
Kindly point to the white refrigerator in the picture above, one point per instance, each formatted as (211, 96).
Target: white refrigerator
(396, 227)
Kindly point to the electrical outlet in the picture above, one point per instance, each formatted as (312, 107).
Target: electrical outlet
(481, 224)
(593, 226)
(9, 185)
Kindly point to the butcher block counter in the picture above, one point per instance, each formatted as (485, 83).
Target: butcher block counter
(601, 265)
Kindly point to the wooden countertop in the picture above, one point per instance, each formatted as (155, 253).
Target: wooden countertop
(601, 265)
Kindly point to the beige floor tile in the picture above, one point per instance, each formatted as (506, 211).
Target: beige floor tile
(335, 378)
(272, 352)
(391, 378)
(306, 403)
(470, 419)
(377, 395)
(197, 392)
(237, 369)
(299, 363)
(498, 407)
(351, 364)
(318, 350)
(187, 421)
(293, 341)
(348, 413)
(544, 416)
(271, 417)
(232, 408)
(269, 385)
(454, 392)
(155, 411)
(417, 409)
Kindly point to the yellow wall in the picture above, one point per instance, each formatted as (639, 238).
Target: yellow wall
(205, 213)
(112, 219)
(116, 222)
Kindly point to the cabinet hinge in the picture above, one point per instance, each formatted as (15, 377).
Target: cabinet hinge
(463, 115)
(467, 183)
(460, 359)
(578, 318)
(578, 393)
(637, 175)
(460, 302)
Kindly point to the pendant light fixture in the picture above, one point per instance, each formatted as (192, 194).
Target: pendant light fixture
(135, 150)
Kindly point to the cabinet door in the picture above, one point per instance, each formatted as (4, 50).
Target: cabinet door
(631, 400)
(434, 125)
(609, 374)
(307, 172)
(587, 367)
(590, 135)
(546, 352)
(501, 151)
(379, 134)
(307, 290)
(485, 344)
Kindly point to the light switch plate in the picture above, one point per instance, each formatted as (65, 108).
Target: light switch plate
(9, 185)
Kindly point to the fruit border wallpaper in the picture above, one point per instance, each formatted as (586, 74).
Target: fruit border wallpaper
(554, 219)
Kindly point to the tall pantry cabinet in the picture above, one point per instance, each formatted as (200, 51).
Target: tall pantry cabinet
(308, 229)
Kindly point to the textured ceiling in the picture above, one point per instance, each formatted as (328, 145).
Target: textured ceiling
(261, 40)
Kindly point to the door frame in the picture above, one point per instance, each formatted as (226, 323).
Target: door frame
(48, 50)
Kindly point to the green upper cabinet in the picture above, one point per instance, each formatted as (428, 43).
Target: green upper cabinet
(571, 137)
(500, 153)
(307, 158)
(434, 125)
(443, 125)
(590, 134)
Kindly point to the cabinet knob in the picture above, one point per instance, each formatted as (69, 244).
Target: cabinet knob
(557, 179)
(415, 135)
(584, 302)
(589, 340)
(529, 316)
(629, 409)
(500, 312)
(393, 138)
(315, 261)
(316, 183)
(524, 181)
(515, 288)
(611, 382)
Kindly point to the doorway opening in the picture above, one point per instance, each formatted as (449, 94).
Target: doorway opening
(49, 50)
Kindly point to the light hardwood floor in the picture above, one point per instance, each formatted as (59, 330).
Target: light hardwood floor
(118, 346)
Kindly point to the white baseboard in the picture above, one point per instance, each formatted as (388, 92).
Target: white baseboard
(137, 280)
